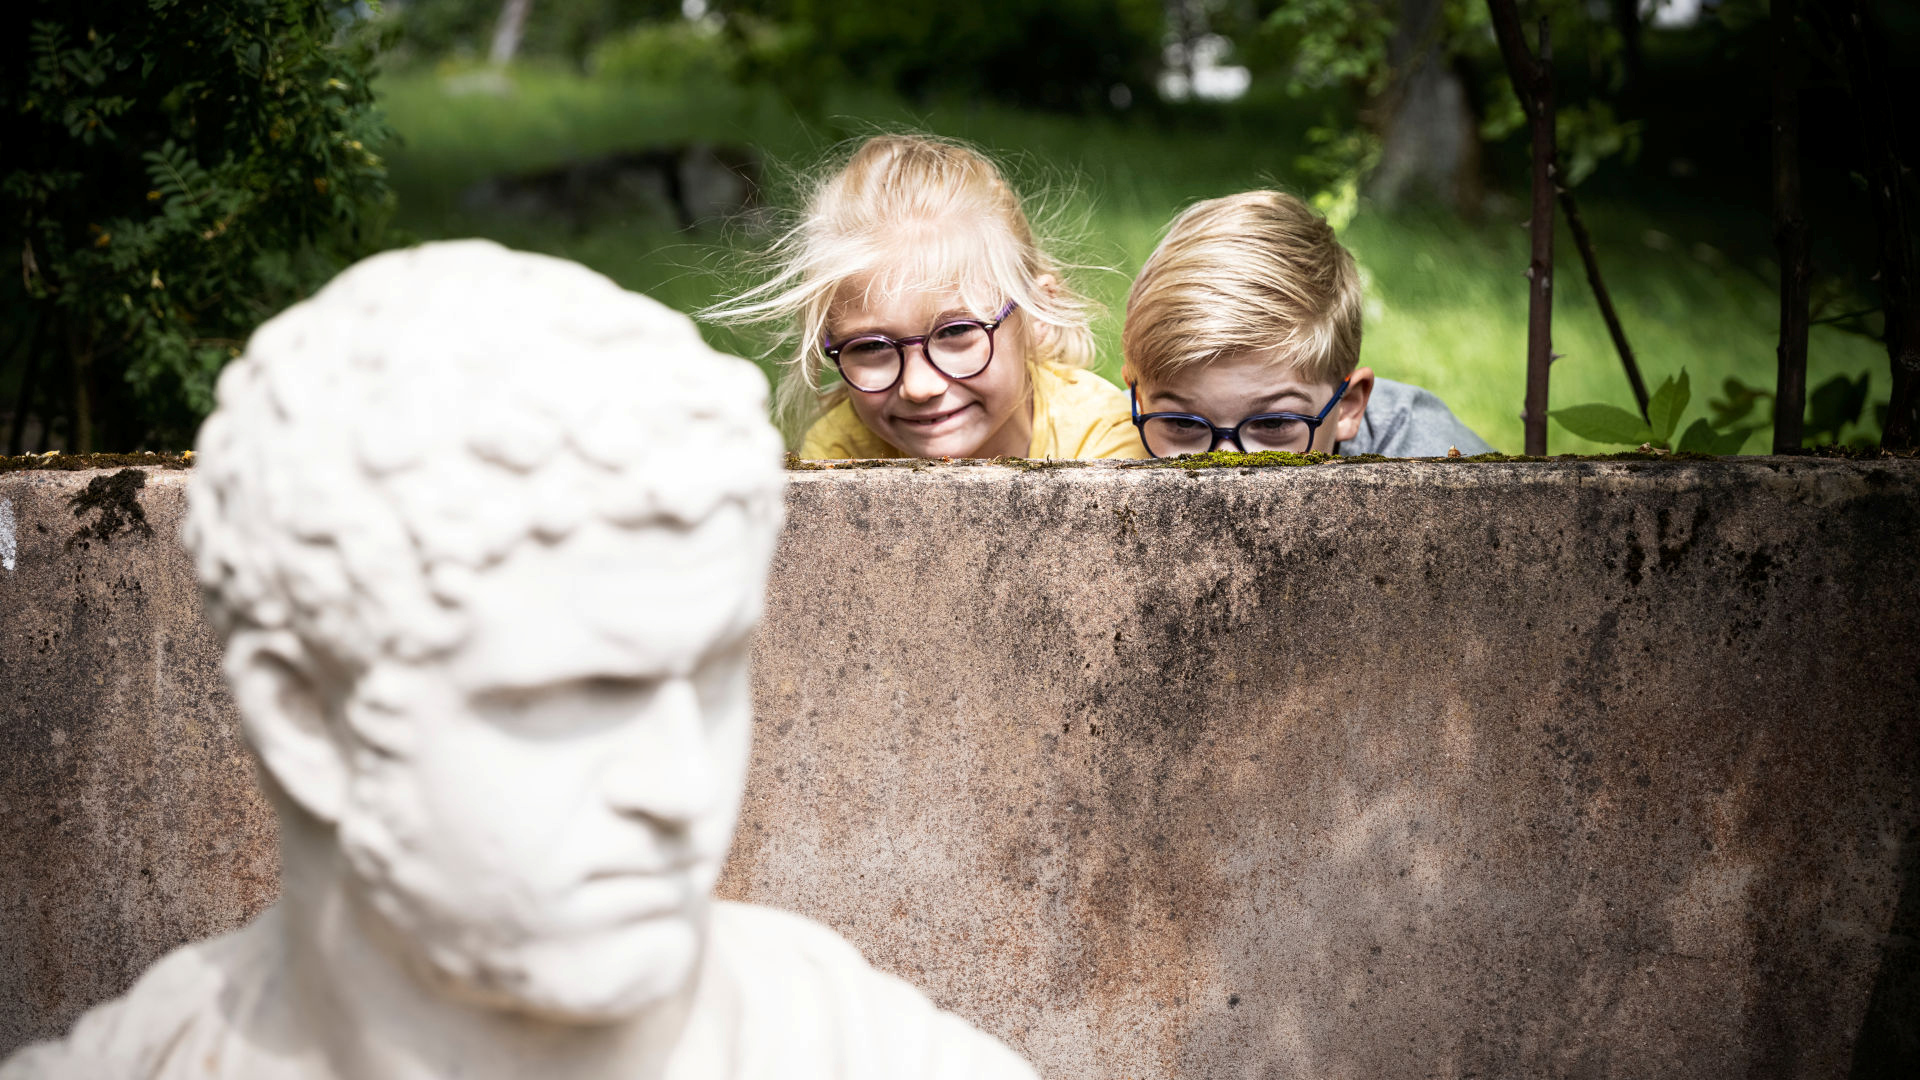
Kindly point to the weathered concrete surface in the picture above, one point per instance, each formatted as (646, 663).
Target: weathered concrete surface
(129, 819)
(1567, 769)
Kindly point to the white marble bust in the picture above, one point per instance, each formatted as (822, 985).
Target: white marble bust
(486, 538)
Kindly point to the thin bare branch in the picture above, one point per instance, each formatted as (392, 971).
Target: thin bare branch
(1789, 236)
(1533, 82)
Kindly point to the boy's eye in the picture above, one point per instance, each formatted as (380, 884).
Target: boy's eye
(1269, 424)
(1183, 425)
(1273, 433)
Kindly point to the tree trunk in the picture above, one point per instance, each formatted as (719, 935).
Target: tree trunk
(1540, 270)
(29, 383)
(1789, 235)
(507, 30)
(1525, 76)
(1861, 46)
(79, 398)
(1533, 84)
(1429, 138)
(1626, 19)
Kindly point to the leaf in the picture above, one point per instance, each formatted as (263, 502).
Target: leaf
(1836, 403)
(1603, 424)
(1701, 438)
(1740, 400)
(1698, 437)
(1666, 407)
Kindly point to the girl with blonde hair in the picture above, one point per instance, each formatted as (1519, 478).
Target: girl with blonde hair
(926, 321)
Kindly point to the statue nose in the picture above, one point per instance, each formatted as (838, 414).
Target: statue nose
(664, 771)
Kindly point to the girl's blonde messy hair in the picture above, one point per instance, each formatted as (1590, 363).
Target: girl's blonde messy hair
(906, 213)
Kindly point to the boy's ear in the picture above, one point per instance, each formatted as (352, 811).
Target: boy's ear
(283, 712)
(1353, 407)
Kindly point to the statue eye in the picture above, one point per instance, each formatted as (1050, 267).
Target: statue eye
(565, 710)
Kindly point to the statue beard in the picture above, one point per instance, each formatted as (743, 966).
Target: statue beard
(494, 935)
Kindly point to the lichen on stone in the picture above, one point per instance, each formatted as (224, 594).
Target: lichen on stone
(58, 462)
(796, 463)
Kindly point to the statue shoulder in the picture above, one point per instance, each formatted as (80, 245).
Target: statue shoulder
(180, 1019)
(812, 1006)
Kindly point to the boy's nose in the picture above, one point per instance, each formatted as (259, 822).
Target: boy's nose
(920, 381)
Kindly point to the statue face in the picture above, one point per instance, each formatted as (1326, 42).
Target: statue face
(536, 820)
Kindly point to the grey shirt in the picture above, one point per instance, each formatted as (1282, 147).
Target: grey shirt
(1406, 421)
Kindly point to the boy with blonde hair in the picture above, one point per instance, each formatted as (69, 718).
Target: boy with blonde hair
(1243, 333)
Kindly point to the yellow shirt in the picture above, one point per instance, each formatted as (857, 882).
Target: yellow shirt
(1076, 414)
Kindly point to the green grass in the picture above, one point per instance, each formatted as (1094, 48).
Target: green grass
(1446, 300)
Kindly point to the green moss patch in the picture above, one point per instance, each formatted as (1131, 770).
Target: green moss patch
(78, 462)
(1266, 459)
(796, 463)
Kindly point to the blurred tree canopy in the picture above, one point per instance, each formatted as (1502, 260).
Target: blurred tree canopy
(1425, 88)
(1062, 54)
(560, 28)
(1056, 54)
(175, 172)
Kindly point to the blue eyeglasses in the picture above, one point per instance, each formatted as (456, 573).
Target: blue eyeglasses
(1167, 434)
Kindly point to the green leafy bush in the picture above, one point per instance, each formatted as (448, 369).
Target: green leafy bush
(680, 52)
(564, 29)
(1050, 54)
(1310, 46)
(1831, 408)
(739, 50)
(175, 172)
(1665, 408)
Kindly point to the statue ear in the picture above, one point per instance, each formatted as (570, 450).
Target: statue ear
(284, 715)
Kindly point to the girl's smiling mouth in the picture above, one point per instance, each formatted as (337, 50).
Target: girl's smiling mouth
(934, 421)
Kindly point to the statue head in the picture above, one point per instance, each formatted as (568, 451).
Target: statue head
(486, 536)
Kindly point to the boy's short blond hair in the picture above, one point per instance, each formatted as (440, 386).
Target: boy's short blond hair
(1255, 271)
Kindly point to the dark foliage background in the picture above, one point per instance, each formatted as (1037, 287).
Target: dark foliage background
(172, 172)
(175, 172)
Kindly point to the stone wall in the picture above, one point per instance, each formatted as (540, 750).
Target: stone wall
(1578, 768)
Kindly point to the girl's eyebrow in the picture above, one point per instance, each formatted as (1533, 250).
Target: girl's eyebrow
(867, 331)
(848, 335)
